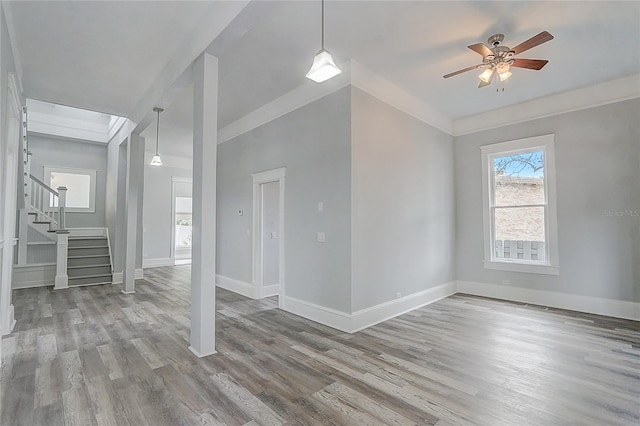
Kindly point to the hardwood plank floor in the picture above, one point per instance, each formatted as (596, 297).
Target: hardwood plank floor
(94, 356)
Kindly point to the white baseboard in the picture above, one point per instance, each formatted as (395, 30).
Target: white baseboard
(11, 320)
(573, 302)
(157, 262)
(139, 274)
(323, 315)
(237, 286)
(117, 277)
(376, 314)
(367, 317)
(28, 276)
(271, 290)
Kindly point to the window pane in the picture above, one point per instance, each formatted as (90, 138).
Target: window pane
(519, 233)
(519, 179)
(78, 188)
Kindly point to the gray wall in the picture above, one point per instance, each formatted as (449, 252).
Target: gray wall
(156, 220)
(598, 171)
(313, 143)
(402, 203)
(48, 151)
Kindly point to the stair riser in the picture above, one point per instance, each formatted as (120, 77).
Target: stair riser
(89, 261)
(82, 251)
(89, 270)
(87, 242)
(89, 281)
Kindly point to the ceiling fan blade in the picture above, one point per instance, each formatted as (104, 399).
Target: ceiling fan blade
(532, 64)
(461, 71)
(534, 41)
(481, 49)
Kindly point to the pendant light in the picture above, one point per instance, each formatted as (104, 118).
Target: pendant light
(323, 67)
(156, 160)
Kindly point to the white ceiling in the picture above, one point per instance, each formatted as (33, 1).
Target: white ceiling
(105, 55)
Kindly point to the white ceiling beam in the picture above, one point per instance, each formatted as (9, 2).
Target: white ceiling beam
(160, 93)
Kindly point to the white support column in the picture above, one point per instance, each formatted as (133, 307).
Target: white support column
(135, 170)
(62, 279)
(203, 259)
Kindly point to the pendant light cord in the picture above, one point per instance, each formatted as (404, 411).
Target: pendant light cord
(157, 130)
(322, 24)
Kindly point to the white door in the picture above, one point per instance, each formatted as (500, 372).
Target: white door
(270, 227)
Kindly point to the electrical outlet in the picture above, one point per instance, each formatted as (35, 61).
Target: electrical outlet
(506, 282)
(398, 295)
(321, 237)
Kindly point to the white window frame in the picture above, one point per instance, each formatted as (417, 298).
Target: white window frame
(92, 185)
(543, 143)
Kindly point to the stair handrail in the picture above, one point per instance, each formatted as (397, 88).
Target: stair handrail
(48, 204)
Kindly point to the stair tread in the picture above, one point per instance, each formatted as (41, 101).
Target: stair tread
(86, 247)
(85, 237)
(41, 222)
(87, 256)
(101, 265)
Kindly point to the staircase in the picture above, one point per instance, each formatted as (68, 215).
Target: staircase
(88, 262)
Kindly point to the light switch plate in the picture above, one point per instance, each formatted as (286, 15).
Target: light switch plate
(321, 237)
(320, 206)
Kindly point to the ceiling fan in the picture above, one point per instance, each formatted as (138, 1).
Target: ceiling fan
(498, 59)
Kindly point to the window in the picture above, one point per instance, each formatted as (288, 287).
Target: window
(80, 184)
(520, 228)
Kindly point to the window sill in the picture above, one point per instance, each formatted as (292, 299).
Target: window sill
(530, 268)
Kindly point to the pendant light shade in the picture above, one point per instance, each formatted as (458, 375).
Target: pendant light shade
(323, 67)
(156, 160)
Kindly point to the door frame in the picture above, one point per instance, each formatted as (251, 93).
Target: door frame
(174, 180)
(257, 278)
(11, 146)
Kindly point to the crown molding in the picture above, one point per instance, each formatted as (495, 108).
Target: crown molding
(587, 97)
(390, 93)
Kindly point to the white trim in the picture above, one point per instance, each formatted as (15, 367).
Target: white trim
(575, 100)
(275, 175)
(367, 317)
(198, 354)
(92, 173)
(573, 302)
(237, 286)
(117, 277)
(384, 311)
(391, 94)
(35, 275)
(305, 94)
(547, 145)
(157, 262)
(508, 265)
(270, 290)
(320, 314)
(139, 274)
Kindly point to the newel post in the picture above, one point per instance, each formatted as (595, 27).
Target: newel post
(62, 206)
(62, 279)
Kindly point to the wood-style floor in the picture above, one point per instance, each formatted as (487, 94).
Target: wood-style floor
(92, 355)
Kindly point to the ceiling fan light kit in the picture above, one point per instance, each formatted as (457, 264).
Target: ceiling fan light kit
(498, 59)
(323, 67)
